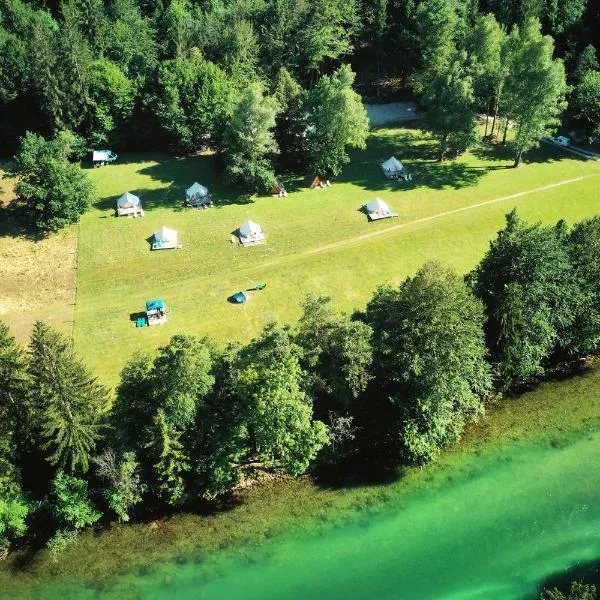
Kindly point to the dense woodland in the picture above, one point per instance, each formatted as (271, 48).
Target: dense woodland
(332, 393)
(276, 85)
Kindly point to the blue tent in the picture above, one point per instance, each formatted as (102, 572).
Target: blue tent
(154, 305)
(240, 297)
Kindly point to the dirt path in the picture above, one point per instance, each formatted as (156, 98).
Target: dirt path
(388, 230)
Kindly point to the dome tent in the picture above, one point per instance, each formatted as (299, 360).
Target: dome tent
(377, 205)
(198, 196)
(129, 205)
(378, 209)
(196, 190)
(128, 200)
(251, 233)
(164, 239)
(392, 168)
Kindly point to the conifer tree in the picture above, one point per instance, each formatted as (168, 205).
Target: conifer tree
(169, 460)
(71, 401)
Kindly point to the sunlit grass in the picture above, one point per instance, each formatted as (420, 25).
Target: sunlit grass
(314, 239)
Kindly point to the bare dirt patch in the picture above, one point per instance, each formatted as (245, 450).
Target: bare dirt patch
(38, 275)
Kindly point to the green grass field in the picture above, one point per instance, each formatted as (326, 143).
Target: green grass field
(317, 241)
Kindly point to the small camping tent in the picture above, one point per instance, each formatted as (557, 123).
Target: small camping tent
(393, 168)
(103, 157)
(165, 239)
(251, 233)
(129, 205)
(378, 209)
(156, 312)
(197, 195)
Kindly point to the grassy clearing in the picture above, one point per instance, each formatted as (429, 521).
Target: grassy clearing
(38, 275)
(315, 239)
(552, 414)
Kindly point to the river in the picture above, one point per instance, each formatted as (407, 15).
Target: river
(493, 528)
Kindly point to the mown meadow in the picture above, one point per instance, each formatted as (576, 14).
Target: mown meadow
(317, 240)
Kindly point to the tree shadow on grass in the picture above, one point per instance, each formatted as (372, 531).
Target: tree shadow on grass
(15, 222)
(206, 169)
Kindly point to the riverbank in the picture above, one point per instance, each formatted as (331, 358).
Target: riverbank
(554, 415)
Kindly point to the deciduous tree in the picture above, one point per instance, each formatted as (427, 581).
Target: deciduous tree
(250, 142)
(57, 191)
(337, 120)
(536, 87)
(530, 295)
(430, 353)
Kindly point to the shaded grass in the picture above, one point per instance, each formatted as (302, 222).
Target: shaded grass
(117, 273)
(554, 412)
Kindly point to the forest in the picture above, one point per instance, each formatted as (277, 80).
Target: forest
(365, 393)
(185, 75)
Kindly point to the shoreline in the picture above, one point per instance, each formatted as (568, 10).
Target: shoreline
(552, 414)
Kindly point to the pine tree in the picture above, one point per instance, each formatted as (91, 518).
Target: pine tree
(71, 400)
(169, 460)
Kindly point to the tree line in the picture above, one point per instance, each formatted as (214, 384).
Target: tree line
(388, 386)
(271, 85)
(163, 74)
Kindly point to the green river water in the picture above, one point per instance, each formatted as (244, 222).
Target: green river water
(492, 528)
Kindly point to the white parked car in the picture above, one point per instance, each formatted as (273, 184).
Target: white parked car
(561, 140)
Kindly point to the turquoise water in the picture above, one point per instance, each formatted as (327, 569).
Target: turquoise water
(492, 529)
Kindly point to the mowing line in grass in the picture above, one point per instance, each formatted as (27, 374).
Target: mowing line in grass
(372, 234)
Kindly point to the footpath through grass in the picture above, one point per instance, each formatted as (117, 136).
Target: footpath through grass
(316, 239)
(554, 414)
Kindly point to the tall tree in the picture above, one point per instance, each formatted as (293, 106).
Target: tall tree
(249, 140)
(438, 27)
(536, 88)
(57, 191)
(111, 99)
(584, 248)
(484, 45)
(193, 101)
(326, 34)
(290, 128)
(450, 112)
(268, 378)
(337, 120)
(169, 460)
(528, 288)
(430, 350)
(337, 355)
(585, 103)
(72, 401)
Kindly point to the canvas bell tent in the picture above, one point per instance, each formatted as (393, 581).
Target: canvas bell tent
(165, 239)
(378, 209)
(198, 196)
(103, 157)
(392, 168)
(251, 233)
(129, 205)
